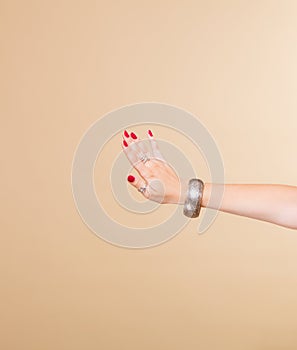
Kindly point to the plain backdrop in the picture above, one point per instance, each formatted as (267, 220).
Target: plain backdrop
(64, 64)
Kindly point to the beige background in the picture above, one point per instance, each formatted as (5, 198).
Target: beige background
(64, 64)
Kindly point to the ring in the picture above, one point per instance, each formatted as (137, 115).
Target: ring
(143, 158)
(142, 189)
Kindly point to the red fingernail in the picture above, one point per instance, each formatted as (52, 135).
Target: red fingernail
(126, 133)
(150, 133)
(131, 178)
(134, 137)
(125, 143)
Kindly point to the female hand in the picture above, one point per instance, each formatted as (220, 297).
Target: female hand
(156, 179)
(158, 182)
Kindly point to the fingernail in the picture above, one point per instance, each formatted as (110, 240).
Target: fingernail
(125, 143)
(131, 178)
(150, 133)
(134, 137)
(126, 133)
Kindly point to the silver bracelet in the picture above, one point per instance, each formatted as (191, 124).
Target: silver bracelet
(193, 201)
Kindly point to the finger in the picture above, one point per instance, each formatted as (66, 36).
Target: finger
(144, 147)
(131, 150)
(130, 147)
(126, 137)
(139, 183)
(155, 147)
(134, 153)
(132, 140)
(139, 146)
(140, 154)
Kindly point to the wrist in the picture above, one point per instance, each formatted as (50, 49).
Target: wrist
(206, 194)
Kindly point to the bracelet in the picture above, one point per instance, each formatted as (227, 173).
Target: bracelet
(193, 201)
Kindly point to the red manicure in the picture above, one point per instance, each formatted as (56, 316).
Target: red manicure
(125, 143)
(134, 137)
(126, 133)
(131, 178)
(150, 133)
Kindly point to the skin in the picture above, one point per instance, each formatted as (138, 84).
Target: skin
(273, 203)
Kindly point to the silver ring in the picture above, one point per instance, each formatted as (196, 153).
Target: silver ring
(142, 189)
(143, 158)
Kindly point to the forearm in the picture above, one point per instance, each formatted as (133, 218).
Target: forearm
(273, 203)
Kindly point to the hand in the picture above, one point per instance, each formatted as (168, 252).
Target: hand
(157, 180)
